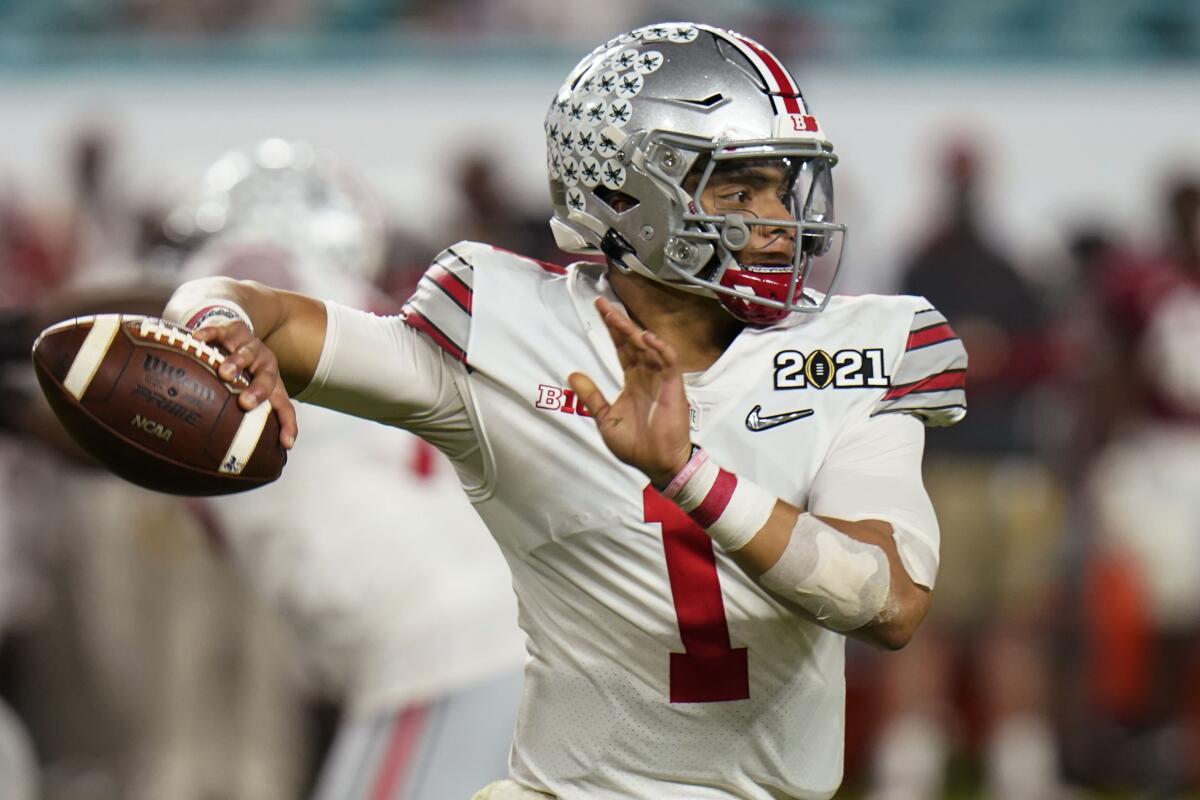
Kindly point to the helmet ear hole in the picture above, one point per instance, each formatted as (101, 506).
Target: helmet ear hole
(618, 201)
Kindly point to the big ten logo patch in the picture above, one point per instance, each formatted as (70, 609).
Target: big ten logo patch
(556, 398)
(845, 369)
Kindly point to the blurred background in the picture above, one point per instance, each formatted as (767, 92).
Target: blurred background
(1032, 167)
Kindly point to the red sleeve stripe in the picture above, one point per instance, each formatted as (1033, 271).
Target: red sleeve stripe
(920, 409)
(414, 319)
(451, 285)
(714, 503)
(943, 381)
(934, 334)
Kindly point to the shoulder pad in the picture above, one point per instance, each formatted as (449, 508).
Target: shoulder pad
(930, 379)
(440, 308)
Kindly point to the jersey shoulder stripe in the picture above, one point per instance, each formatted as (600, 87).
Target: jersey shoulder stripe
(451, 285)
(415, 319)
(929, 328)
(930, 380)
(949, 379)
(442, 304)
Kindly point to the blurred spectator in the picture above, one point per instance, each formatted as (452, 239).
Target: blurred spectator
(1072, 417)
(102, 230)
(27, 262)
(1144, 569)
(999, 511)
(406, 257)
(487, 212)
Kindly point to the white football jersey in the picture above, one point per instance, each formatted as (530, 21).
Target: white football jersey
(656, 667)
(365, 543)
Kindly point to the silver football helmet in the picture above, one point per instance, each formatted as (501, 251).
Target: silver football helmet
(637, 132)
(290, 193)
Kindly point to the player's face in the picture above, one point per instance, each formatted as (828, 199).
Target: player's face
(762, 190)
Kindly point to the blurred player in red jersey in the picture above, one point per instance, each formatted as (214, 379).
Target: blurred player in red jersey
(702, 467)
(1002, 515)
(1145, 498)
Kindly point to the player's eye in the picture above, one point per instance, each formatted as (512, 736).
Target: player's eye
(737, 197)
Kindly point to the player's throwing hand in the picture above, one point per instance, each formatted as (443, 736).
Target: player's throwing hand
(646, 426)
(248, 353)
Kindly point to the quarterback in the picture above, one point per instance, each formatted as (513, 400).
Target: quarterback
(702, 468)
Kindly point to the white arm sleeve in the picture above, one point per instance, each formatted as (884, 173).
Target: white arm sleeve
(873, 471)
(380, 369)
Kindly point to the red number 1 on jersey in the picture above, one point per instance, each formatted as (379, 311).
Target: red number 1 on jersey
(709, 670)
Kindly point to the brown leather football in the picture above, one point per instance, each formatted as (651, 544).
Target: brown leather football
(143, 397)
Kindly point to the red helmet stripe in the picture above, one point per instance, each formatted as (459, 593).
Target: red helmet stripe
(779, 80)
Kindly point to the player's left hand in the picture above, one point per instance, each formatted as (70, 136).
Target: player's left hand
(646, 426)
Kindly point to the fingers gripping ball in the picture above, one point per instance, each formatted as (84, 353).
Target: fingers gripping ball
(143, 397)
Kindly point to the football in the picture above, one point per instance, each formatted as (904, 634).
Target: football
(143, 397)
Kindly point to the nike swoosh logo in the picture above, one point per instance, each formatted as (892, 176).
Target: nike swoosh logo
(757, 422)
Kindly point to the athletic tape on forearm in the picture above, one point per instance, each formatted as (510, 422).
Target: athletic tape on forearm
(841, 581)
(215, 312)
(732, 511)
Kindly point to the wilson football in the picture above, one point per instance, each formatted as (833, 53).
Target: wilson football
(143, 397)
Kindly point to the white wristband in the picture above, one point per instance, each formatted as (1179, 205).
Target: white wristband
(730, 510)
(215, 312)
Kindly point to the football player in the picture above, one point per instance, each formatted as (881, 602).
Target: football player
(403, 609)
(702, 468)
(1144, 495)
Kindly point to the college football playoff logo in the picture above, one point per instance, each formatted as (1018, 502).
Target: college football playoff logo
(845, 369)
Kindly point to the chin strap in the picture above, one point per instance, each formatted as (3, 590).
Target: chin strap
(617, 249)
